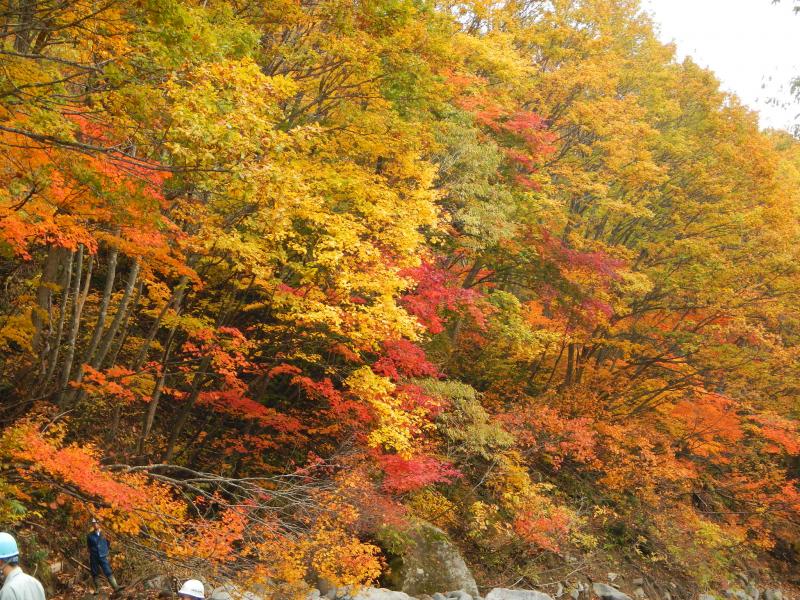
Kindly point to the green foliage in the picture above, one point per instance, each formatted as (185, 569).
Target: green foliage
(466, 425)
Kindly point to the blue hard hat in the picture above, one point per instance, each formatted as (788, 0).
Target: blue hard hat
(8, 546)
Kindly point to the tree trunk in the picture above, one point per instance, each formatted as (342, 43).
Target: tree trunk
(186, 409)
(175, 303)
(78, 301)
(122, 311)
(152, 407)
(104, 303)
(101, 318)
(44, 293)
(62, 317)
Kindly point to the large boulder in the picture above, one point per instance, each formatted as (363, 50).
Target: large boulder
(606, 592)
(379, 594)
(232, 592)
(505, 594)
(429, 563)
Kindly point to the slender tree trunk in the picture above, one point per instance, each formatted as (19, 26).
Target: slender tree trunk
(122, 310)
(117, 414)
(44, 293)
(175, 303)
(62, 317)
(127, 324)
(78, 301)
(152, 407)
(101, 319)
(104, 303)
(25, 14)
(186, 409)
(570, 365)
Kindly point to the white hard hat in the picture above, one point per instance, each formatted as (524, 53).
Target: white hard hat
(194, 589)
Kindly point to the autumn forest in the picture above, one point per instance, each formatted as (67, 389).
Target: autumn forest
(280, 279)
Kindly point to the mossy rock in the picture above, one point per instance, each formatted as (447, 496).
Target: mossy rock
(429, 562)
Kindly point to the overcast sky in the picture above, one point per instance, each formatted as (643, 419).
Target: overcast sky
(752, 45)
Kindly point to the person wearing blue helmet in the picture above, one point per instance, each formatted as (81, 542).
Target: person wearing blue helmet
(16, 584)
(99, 549)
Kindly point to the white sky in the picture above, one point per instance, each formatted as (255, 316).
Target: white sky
(747, 43)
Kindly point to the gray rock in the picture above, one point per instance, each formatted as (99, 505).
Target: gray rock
(606, 592)
(639, 582)
(612, 577)
(430, 563)
(379, 594)
(314, 594)
(56, 567)
(773, 594)
(575, 593)
(706, 597)
(559, 590)
(639, 594)
(232, 592)
(161, 583)
(459, 595)
(753, 592)
(506, 594)
(439, 596)
(737, 594)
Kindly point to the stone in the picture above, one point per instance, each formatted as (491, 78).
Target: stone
(753, 592)
(56, 567)
(575, 593)
(706, 597)
(314, 594)
(559, 590)
(232, 592)
(506, 594)
(429, 563)
(639, 594)
(638, 582)
(773, 594)
(163, 583)
(606, 592)
(439, 596)
(737, 594)
(612, 577)
(458, 595)
(379, 594)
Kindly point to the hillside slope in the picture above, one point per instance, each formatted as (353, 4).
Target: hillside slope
(282, 279)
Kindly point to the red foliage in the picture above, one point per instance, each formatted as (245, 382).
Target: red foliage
(404, 475)
(597, 262)
(544, 531)
(782, 434)
(403, 358)
(438, 291)
(415, 397)
(78, 466)
(558, 438)
(235, 403)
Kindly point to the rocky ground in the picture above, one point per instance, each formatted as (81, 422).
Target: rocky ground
(430, 568)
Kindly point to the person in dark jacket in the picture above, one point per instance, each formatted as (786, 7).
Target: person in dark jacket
(99, 549)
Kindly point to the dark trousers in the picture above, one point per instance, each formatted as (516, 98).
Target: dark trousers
(98, 564)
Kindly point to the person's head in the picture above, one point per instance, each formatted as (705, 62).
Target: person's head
(192, 590)
(95, 524)
(9, 552)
